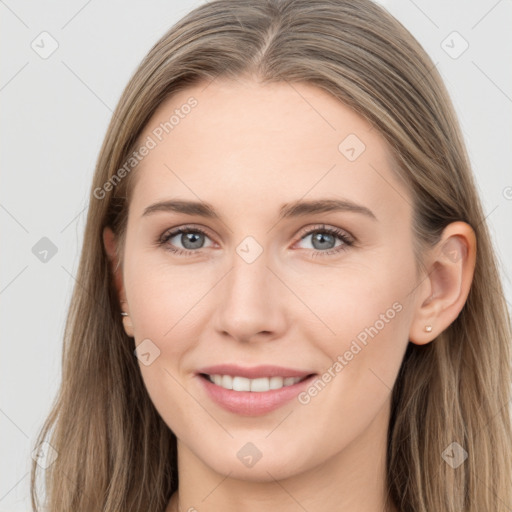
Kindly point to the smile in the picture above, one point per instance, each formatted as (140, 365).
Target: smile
(259, 385)
(258, 391)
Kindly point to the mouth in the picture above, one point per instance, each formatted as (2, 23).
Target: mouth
(252, 391)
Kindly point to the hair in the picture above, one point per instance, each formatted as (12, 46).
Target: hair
(115, 453)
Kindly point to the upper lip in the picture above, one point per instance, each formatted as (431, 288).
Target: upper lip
(253, 372)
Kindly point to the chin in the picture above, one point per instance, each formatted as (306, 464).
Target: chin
(250, 464)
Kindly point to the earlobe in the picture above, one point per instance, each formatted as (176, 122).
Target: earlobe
(128, 326)
(442, 295)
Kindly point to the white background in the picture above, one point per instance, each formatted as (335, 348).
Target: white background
(55, 113)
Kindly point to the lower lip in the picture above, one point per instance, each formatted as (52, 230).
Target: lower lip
(252, 403)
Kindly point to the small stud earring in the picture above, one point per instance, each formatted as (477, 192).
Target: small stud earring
(428, 328)
(127, 324)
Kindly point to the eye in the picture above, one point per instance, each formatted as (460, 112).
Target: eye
(191, 238)
(323, 240)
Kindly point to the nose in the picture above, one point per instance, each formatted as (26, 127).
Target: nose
(252, 302)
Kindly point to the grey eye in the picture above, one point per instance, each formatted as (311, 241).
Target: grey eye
(322, 240)
(187, 239)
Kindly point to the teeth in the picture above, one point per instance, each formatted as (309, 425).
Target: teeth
(226, 381)
(259, 385)
(241, 384)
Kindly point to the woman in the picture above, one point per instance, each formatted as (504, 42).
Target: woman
(287, 294)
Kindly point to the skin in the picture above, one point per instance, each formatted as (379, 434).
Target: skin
(247, 149)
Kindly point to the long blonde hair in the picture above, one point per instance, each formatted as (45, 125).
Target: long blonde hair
(115, 453)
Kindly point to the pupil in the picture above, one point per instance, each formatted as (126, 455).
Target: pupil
(192, 240)
(322, 238)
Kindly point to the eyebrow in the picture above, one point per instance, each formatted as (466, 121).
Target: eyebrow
(288, 210)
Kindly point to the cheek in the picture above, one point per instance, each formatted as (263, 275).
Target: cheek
(370, 321)
(165, 298)
(366, 314)
(164, 306)
(167, 306)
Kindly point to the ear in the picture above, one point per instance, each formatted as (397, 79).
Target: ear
(110, 243)
(441, 296)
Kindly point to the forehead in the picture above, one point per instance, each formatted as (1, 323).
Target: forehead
(252, 143)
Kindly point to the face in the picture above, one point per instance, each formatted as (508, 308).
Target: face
(322, 293)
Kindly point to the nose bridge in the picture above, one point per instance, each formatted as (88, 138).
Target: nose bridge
(247, 281)
(250, 303)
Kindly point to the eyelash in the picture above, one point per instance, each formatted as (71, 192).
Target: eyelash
(347, 242)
